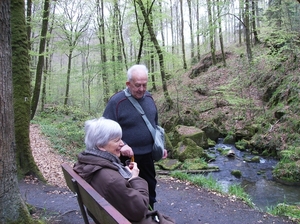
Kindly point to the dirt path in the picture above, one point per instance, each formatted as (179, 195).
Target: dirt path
(184, 202)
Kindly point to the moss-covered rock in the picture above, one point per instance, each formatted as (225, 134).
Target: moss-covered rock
(169, 164)
(211, 143)
(197, 135)
(242, 145)
(194, 164)
(229, 139)
(255, 159)
(288, 169)
(236, 173)
(211, 131)
(188, 149)
(247, 131)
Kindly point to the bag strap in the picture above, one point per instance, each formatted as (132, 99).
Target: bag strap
(136, 104)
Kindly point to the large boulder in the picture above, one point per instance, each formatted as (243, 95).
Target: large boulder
(197, 135)
(188, 149)
(212, 132)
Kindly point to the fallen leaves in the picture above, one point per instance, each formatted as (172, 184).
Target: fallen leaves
(45, 157)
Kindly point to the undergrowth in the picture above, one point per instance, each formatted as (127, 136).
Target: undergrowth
(211, 184)
(64, 128)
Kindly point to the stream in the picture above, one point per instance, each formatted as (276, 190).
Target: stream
(256, 179)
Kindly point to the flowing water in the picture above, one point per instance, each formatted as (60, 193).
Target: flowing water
(256, 179)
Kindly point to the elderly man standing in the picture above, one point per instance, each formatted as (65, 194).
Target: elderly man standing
(135, 131)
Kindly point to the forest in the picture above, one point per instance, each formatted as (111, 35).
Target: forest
(229, 66)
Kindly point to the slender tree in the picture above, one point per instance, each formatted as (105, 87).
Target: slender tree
(12, 207)
(198, 29)
(247, 30)
(40, 64)
(172, 29)
(146, 13)
(253, 19)
(241, 24)
(47, 69)
(140, 24)
(117, 44)
(182, 35)
(211, 32)
(101, 36)
(220, 33)
(191, 29)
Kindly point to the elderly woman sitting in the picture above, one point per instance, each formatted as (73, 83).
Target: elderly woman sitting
(120, 185)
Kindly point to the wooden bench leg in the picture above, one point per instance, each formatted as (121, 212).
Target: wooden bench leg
(82, 209)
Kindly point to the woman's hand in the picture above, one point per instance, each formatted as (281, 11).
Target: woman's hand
(126, 150)
(132, 166)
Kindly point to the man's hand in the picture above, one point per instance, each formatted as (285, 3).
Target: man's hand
(165, 155)
(126, 150)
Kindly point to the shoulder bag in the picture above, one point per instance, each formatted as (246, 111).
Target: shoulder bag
(158, 133)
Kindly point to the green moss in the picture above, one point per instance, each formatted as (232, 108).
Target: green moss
(288, 169)
(236, 173)
(188, 149)
(242, 145)
(229, 139)
(283, 209)
(211, 143)
(255, 159)
(194, 164)
(169, 164)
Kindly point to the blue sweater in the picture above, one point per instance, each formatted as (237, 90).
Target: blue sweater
(135, 131)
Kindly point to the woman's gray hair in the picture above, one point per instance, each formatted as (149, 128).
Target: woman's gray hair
(138, 67)
(98, 132)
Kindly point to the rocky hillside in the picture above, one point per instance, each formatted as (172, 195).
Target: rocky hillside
(256, 105)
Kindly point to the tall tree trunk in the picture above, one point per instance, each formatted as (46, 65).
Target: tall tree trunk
(198, 30)
(172, 36)
(40, 64)
(182, 36)
(159, 52)
(220, 34)
(68, 77)
(211, 33)
(247, 30)
(12, 207)
(152, 70)
(191, 29)
(241, 15)
(119, 47)
(22, 90)
(256, 40)
(101, 36)
(47, 62)
(121, 40)
(161, 25)
(141, 31)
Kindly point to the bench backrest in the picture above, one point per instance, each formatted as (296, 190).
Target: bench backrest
(90, 199)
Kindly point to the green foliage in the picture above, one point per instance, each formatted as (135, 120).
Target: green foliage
(199, 180)
(282, 209)
(236, 173)
(194, 164)
(239, 192)
(64, 128)
(242, 145)
(288, 169)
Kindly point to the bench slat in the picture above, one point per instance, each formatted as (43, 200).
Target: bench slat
(103, 211)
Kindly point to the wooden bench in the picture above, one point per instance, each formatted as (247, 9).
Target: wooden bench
(91, 200)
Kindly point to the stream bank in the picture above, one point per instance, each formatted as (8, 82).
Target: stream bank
(256, 177)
